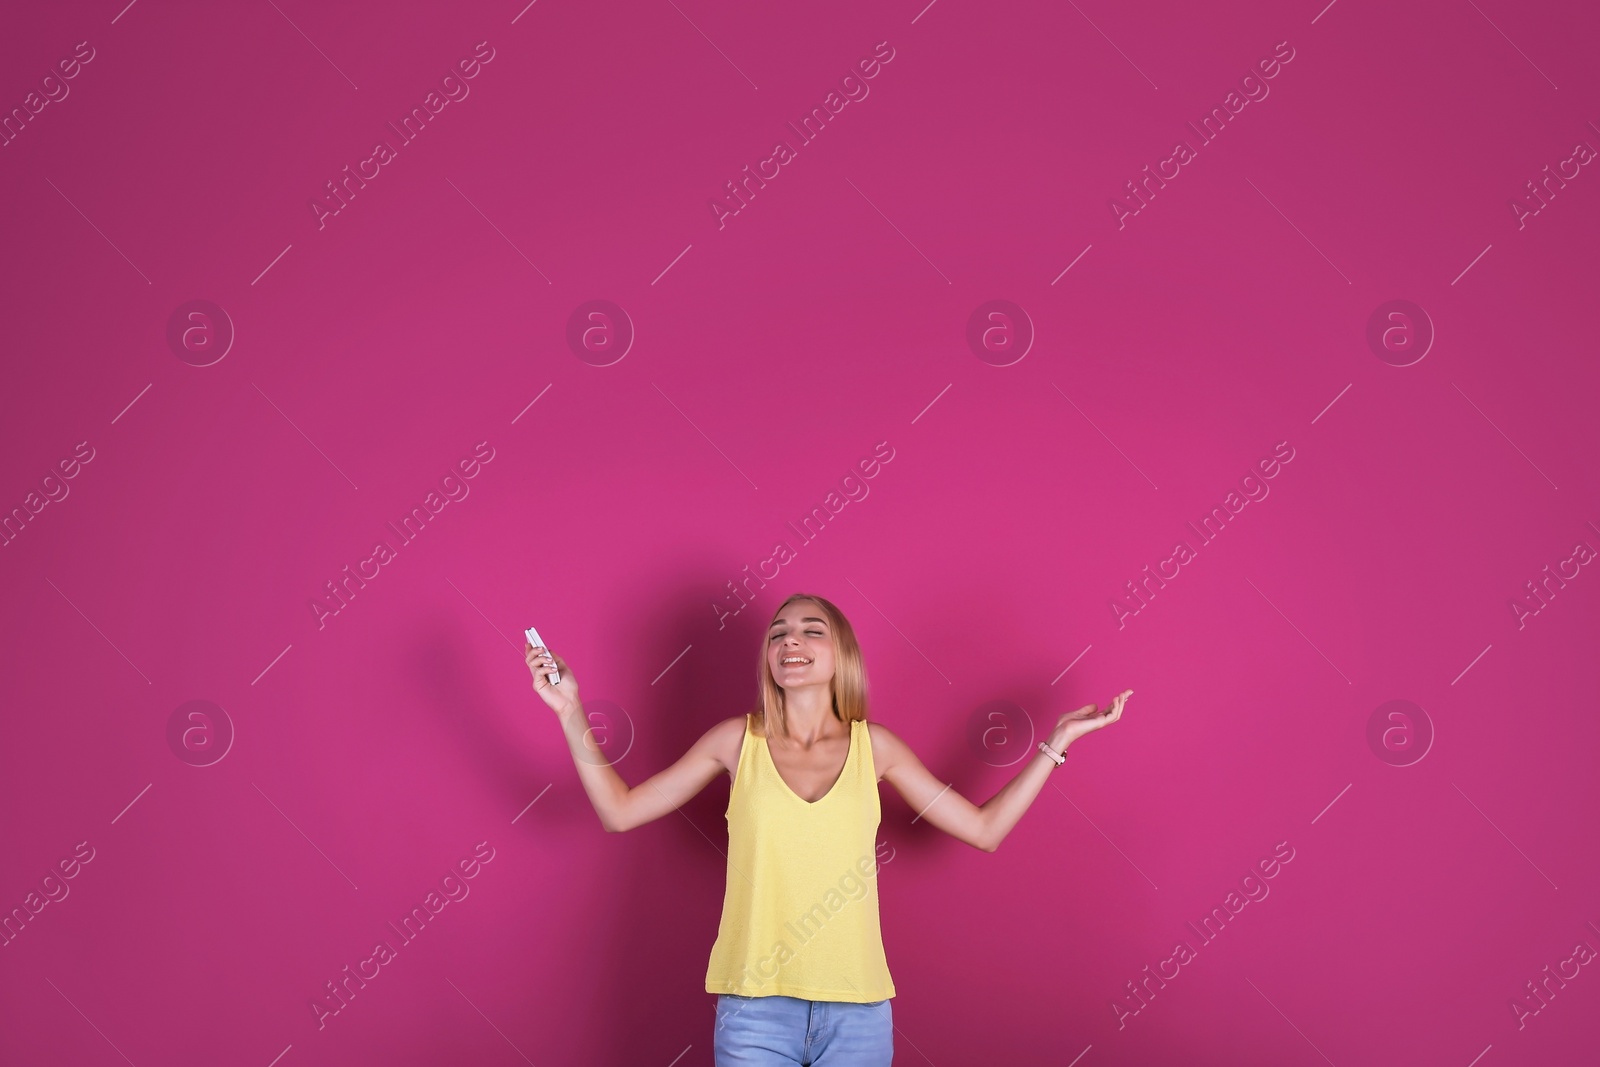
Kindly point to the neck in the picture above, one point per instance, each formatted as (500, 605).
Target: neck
(808, 715)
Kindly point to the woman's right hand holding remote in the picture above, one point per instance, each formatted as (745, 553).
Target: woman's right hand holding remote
(541, 661)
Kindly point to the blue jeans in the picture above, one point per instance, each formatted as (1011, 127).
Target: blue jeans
(788, 1031)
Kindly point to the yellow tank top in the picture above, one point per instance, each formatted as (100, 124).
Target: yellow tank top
(800, 912)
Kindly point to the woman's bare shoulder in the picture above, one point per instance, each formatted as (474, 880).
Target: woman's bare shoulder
(726, 738)
(886, 746)
(879, 732)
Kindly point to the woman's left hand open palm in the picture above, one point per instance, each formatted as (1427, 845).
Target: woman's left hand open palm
(1087, 719)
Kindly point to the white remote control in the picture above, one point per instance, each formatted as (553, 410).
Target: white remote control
(537, 642)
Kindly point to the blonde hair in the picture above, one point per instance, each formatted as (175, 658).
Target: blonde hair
(849, 683)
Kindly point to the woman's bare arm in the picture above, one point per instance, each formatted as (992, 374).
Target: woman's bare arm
(983, 825)
(623, 808)
(620, 807)
(954, 813)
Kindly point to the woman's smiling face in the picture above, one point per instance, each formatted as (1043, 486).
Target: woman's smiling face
(800, 646)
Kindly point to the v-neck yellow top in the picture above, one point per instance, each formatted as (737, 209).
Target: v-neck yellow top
(800, 912)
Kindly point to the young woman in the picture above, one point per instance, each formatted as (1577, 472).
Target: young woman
(798, 965)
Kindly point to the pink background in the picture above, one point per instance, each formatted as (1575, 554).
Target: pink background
(372, 753)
